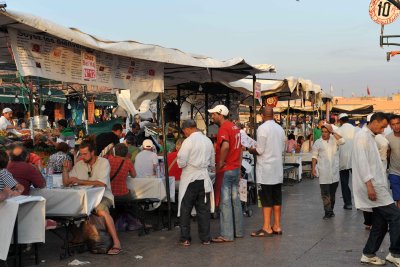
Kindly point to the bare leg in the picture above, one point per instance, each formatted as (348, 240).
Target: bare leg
(110, 227)
(267, 212)
(277, 219)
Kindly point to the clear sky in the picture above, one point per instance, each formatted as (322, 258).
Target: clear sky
(328, 42)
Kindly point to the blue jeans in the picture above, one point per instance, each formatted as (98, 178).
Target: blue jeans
(231, 217)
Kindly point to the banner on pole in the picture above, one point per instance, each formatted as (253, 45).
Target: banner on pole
(57, 59)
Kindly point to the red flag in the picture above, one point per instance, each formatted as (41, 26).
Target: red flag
(368, 91)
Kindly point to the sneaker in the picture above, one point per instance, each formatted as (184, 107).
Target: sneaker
(392, 259)
(372, 260)
(347, 207)
(50, 224)
(326, 216)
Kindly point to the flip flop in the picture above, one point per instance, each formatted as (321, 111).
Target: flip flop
(114, 251)
(262, 233)
(220, 239)
(277, 232)
(184, 243)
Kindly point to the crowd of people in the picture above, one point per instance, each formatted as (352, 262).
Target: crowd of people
(340, 154)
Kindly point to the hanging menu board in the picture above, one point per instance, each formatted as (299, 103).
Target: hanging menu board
(57, 59)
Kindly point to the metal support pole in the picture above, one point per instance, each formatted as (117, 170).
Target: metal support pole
(165, 160)
(327, 106)
(207, 118)
(255, 132)
(86, 109)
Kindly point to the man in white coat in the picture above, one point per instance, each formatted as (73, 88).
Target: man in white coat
(325, 166)
(269, 170)
(195, 188)
(347, 131)
(371, 193)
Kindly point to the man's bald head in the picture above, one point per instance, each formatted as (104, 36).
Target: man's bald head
(268, 113)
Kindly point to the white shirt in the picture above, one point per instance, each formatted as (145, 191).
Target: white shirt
(100, 172)
(347, 131)
(367, 165)
(327, 155)
(270, 146)
(3, 126)
(383, 146)
(194, 157)
(144, 164)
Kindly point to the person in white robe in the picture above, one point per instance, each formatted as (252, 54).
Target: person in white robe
(371, 192)
(195, 158)
(325, 166)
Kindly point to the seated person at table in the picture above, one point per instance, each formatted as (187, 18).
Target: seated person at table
(121, 166)
(105, 141)
(300, 141)
(24, 172)
(56, 161)
(133, 150)
(95, 171)
(291, 143)
(173, 168)
(8, 185)
(305, 147)
(146, 161)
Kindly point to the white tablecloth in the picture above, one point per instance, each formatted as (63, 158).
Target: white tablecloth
(296, 158)
(73, 201)
(150, 188)
(31, 221)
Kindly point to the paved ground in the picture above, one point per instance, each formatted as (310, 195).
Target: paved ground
(307, 240)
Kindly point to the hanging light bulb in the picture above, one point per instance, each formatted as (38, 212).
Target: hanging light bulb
(69, 106)
(49, 92)
(111, 106)
(16, 99)
(33, 101)
(42, 108)
(200, 88)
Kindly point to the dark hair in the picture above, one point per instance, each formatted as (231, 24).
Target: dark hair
(63, 147)
(291, 137)
(135, 125)
(89, 143)
(300, 138)
(332, 120)
(188, 124)
(63, 123)
(320, 120)
(121, 150)
(379, 116)
(130, 140)
(117, 127)
(3, 159)
(344, 119)
(394, 117)
(23, 156)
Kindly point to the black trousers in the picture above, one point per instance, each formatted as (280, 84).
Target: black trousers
(367, 218)
(344, 183)
(381, 218)
(328, 192)
(195, 197)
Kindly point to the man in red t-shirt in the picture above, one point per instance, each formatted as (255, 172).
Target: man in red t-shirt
(228, 163)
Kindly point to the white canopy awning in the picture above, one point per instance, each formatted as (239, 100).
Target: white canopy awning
(179, 67)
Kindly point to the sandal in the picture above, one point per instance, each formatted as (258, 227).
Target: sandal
(262, 233)
(220, 239)
(114, 251)
(206, 242)
(184, 243)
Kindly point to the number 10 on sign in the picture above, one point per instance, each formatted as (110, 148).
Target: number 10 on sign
(383, 12)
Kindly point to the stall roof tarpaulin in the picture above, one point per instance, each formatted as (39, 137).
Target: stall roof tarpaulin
(289, 88)
(179, 67)
(353, 109)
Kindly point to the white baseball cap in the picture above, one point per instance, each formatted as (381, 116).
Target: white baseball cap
(357, 122)
(221, 109)
(342, 115)
(6, 110)
(369, 117)
(147, 143)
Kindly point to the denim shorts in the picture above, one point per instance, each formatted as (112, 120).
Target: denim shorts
(395, 186)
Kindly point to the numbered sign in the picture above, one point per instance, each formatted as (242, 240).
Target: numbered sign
(383, 12)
